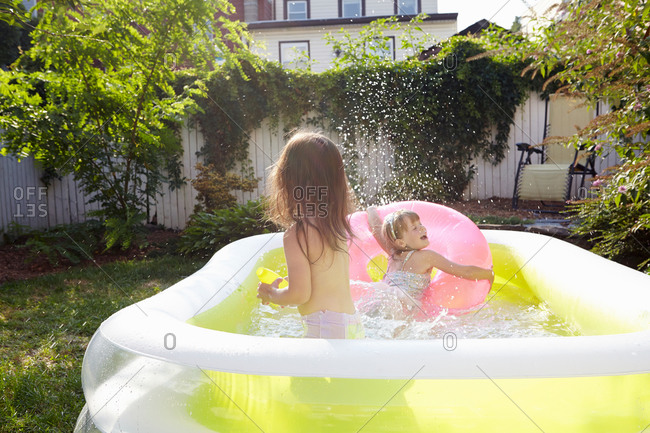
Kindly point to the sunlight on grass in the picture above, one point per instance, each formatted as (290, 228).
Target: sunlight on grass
(47, 323)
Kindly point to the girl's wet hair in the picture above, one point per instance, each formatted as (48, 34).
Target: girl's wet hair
(395, 224)
(308, 187)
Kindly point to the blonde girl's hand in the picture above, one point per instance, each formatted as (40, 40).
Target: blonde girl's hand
(491, 277)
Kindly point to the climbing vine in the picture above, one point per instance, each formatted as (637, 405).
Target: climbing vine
(437, 114)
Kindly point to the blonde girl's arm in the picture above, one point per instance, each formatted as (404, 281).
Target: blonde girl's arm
(299, 290)
(375, 223)
(468, 272)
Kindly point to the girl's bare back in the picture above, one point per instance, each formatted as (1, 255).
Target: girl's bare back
(323, 277)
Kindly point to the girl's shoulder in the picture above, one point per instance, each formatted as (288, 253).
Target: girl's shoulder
(429, 257)
(303, 231)
(428, 253)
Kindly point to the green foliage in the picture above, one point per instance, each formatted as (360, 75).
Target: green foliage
(207, 232)
(15, 38)
(236, 102)
(125, 232)
(71, 242)
(370, 47)
(516, 25)
(214, 189)
(416, 186)
(15, 232)
(618, 221)
(437, 115)
(13, 12)
(600, 51)
(94, 94)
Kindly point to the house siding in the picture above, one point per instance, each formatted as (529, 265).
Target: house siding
(324, 9)
(322, 53)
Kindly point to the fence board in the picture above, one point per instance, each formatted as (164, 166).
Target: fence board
(65, 202)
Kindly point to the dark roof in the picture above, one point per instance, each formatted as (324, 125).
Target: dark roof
(342, 21)
(477, 28)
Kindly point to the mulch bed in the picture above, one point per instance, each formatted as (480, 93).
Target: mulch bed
(18, 263)
(501, 207)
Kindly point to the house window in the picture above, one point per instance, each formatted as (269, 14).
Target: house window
(407, 7)
(294, 54)
(296, 10)
(351, 8)
(384, 48)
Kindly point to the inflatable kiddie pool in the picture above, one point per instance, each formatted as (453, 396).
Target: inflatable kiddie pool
(181, 361)
(450, 233)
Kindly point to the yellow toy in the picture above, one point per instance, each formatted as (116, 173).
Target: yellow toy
(268, 276)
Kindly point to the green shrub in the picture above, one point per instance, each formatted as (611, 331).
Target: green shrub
(618, 220)
(15, 233)
(209, 231)
(126, 231)
(214, 187)
(416, 186)
(72, 242)
(599, 52)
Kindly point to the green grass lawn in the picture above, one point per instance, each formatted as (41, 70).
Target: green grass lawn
(46, 324)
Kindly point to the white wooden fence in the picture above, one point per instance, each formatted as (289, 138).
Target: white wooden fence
(499, 181)
(25, 200)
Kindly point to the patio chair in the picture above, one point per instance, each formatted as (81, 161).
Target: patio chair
(552, 179)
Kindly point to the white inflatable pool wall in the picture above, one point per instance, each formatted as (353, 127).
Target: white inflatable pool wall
(584, 280)
(146, 357)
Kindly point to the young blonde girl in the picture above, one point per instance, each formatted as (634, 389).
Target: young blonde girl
(310, 198)
(404, 238)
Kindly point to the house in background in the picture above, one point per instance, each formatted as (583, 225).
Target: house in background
(291, 31)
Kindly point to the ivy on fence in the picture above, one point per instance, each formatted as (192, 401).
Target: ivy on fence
(437, 115)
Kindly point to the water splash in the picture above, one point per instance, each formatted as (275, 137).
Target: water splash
(500, 318)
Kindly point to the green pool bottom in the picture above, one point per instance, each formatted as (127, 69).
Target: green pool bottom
(230, 402)
(243, 403)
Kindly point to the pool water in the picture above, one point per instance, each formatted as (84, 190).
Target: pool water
(510, 312)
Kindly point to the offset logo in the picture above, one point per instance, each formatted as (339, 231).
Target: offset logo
(169, 341)
(30, 210)
(310, 193)
(449, 341)
(450, 62)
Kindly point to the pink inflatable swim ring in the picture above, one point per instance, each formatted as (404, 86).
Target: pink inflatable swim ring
(450, 233)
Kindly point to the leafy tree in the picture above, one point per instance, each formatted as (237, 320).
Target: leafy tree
(94, 95)
(600, 51)
(13, 12)
(371, 45)
(15, 38)
(516, 25)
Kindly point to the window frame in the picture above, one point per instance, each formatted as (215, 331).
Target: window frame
(418, 6)
(286, 8)
(392, 44)
(304, 41)
(363, 9)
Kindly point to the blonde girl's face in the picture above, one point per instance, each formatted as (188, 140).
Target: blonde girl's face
(414, 236)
